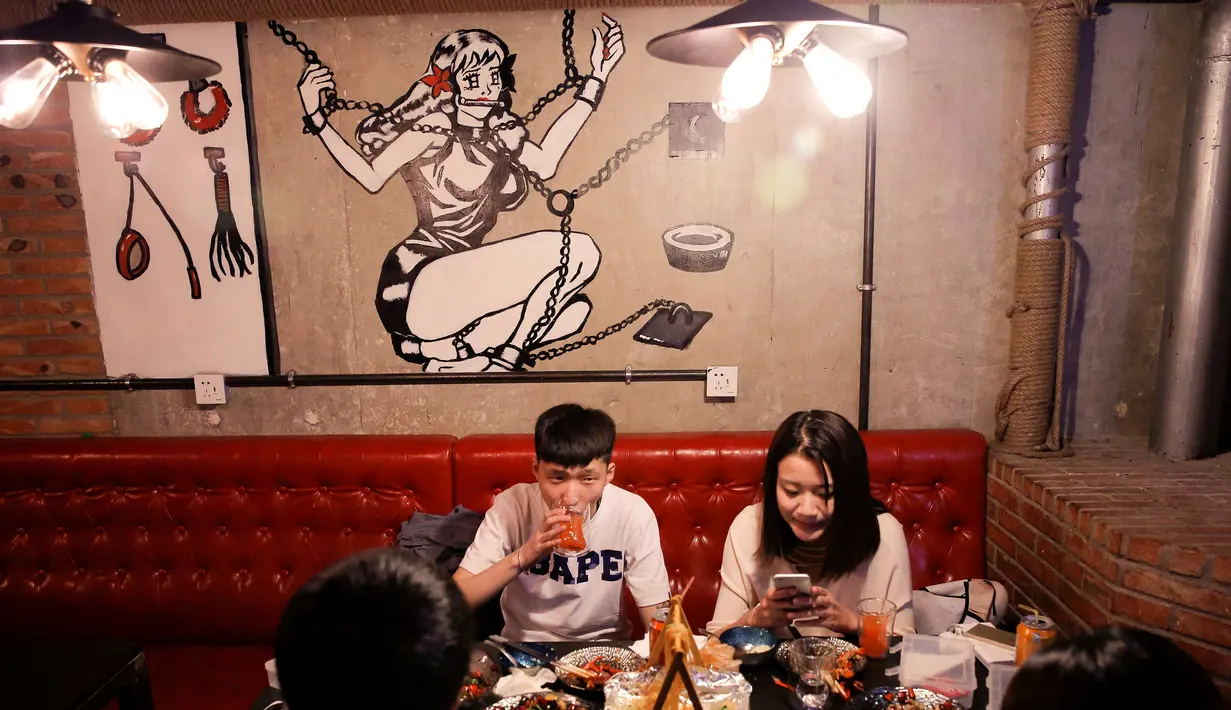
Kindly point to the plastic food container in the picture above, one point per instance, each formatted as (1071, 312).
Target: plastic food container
(998, 677)
(943, 665)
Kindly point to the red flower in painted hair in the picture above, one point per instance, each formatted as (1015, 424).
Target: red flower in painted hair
(438, 81)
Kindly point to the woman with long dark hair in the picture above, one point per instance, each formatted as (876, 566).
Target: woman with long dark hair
(817, 517)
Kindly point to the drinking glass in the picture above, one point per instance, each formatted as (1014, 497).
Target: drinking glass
(813, 660)
(573, 537)
(875, 625)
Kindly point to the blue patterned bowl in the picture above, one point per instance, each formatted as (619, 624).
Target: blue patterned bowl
(746, 638)
(523, 660)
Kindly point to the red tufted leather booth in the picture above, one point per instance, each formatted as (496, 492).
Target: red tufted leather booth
(192, 546)
(934, 482)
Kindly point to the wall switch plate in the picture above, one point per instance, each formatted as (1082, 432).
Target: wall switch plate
(211, 389)
(721, 381)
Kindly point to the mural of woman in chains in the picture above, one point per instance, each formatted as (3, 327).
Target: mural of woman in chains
(449, 301)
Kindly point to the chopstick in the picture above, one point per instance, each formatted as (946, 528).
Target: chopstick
(567, 668)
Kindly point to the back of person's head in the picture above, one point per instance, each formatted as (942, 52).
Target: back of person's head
(381, 629)
(571, 435)
(1114, 667)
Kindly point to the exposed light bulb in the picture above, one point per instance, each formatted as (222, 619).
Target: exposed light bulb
(747, 79)
(23, 94)
(727, 112)
(843, 87)
(126, 102)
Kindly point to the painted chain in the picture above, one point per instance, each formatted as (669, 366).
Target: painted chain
(572, 79)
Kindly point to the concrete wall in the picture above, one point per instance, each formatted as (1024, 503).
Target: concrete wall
(789, 185)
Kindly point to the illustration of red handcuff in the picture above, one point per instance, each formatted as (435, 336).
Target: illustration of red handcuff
(132, 251)
(190, 106)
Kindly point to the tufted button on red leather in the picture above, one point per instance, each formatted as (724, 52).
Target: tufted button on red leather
(285, 574)
(957, 528)
(346, 532)
(939, 485)
(160, 573)
(411, 491)
(80, 571)
(100, 530)
(222, 530)
(200, 490)
(181, 529)
(141, 529)
(263, 531)
(305, 530)
(21, 531)
(916, 526)
(367, 490)
(59, 530)
(282, 489)
(697, 528)
(675, 486)
(158, 490)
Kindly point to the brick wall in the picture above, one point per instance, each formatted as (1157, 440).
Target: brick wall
(1118, 535)
(47, 322)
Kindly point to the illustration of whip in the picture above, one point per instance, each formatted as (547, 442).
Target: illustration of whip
(132, 244)
(226, 243)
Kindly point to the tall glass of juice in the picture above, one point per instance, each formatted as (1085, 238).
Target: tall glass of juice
(573, 537)
(875, 625)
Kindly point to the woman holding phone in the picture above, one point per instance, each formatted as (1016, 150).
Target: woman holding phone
(817, 518)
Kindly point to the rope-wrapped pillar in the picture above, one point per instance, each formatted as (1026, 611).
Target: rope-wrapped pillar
(1029, 406)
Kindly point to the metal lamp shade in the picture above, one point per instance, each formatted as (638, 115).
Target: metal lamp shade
(81, 27)
(717, 41)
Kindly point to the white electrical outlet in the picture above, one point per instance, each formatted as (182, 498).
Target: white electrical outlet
(211, 388)
(721, 381)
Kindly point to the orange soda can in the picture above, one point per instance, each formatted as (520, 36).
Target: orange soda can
(1033, 633)
(657, 624)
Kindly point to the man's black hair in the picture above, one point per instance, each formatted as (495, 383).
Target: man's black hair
(382, 629)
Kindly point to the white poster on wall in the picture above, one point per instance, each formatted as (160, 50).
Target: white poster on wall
(171, 222)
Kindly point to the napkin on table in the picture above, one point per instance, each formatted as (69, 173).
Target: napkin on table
(524, 680)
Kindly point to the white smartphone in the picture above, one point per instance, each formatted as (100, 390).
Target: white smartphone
(801, 582)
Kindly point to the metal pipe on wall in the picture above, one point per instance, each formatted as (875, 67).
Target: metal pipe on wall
(293, 380)
(1046, 180)
(866, 284)
(1196, 339)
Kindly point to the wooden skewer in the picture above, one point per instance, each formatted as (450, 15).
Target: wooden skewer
(686, 587)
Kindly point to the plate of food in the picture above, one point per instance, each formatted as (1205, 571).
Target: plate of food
(899, 698)
(542, 701)
(603, 661)
(851, 658)
(482, 677)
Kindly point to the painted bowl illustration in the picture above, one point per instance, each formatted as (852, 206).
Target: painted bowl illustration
(698, 247)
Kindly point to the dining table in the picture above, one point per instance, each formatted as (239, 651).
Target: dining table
(771, 683)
